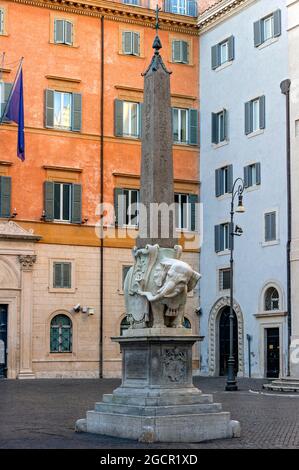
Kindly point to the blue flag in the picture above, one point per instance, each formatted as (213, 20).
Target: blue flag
(15, 112)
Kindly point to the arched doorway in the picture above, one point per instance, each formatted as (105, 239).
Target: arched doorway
(224, 341)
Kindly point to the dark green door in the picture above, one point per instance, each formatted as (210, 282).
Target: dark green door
(3, 341)
(273, 352)
(224, 341)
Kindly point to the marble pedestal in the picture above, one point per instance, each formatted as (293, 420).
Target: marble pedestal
(157, 401)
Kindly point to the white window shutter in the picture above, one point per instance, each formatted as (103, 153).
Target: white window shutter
(68, 33)
(127, 42)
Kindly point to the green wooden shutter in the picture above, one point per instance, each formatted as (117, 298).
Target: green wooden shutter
(257, 27)
(57, 275)
(225, 124)
(218, 238)
(49, 108)
(258, 173)
(262, 112)
(215, 57)
(193, 200)
(76, 217)
(5, 196)
(136, 44)
(277, 23)
(176, 51)
(118, 118)
(127, 42)
(6, 94)
(214, 128)
(193, 127)
(248, 120)
(68, 33)
(59, 31)
(185, 52)
(118, 207)
(76, 112)
(140, 112)
(230, 178)
(66, 275)
(231, 48)
(49, 200)
(218, 182)
(246, 176)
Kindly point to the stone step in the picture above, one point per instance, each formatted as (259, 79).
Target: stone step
(281, 387)
(158, 410)
(139, 400)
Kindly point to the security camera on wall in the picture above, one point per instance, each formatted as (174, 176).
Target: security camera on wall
(77, 308)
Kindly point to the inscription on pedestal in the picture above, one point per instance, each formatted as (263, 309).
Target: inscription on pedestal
(136, 365)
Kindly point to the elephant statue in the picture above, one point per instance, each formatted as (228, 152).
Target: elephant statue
(156, 288)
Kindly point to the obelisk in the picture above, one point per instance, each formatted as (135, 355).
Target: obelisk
(157, 401)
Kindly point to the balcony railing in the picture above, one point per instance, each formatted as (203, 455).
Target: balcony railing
(177, 7)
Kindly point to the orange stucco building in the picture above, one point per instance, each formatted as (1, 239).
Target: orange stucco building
(83, 93)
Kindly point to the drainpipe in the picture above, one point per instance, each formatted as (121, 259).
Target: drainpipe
(285, 90)
(249, 338)
(101, 333)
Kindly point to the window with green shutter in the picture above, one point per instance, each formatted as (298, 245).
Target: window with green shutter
(223, 180)
(5, 196)
(270, 226)
(5, 89)
(63, 32)
(127, 119)
(62, 275)
(252, 175)
(186, 211)
(223, 52)
(63, 202)
(2, 20)
(180, 51)
(131, 43)
(255, 115)
(267, 28)
(219, 127)
(126, 203)
(61, 334)
(222, 237)
(63, 110)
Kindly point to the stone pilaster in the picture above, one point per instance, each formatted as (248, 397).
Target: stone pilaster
(27, 263)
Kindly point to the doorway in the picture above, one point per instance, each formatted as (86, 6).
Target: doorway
(3, 340)
(224, 341)
(272, 352)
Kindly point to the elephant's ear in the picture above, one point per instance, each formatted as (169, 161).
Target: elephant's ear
(193, 281)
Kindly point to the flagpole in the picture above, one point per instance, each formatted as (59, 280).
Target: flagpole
(12, 90)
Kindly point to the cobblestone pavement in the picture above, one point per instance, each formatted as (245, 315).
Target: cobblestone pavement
(42, 413)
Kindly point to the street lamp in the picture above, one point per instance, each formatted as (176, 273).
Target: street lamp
(235, 231)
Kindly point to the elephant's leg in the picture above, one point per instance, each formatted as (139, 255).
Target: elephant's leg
(158, 315)
(178, 320)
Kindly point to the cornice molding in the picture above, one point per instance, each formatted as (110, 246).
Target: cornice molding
(119, 12)
(220, 11)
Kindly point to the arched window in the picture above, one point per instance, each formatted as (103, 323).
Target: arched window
(124, 325)
(271, 299)
(186, 323)
(61, 334)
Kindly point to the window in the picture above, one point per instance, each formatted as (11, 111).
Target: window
(267, 28)
(130, 43)
(63, 202)
(180, 52)
(125, 325)
(271, 299)
(185, 211)
(255, 115)
(270, 226)
(223, 52)
(186, 323)
(219, 127)
(224, 279)
(63, 32)
(125, 270)
(5, 89)
(61, 334)
(2, 12)
(5, 196)
(63, 110)
(127, 119)
(252, 175)
(181, 7)
(126, 206)
(224, 180)
(180, 125)
(222, 237)
(62, 275)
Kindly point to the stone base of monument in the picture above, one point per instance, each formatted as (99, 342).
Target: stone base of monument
(157, 401)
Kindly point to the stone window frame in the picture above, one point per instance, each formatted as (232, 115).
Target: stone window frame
(272, 283)
(140, 31)
(121, 265)
(62, 290)
(4, 10)
(219, 282)
(59, 356)
(71, 19)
